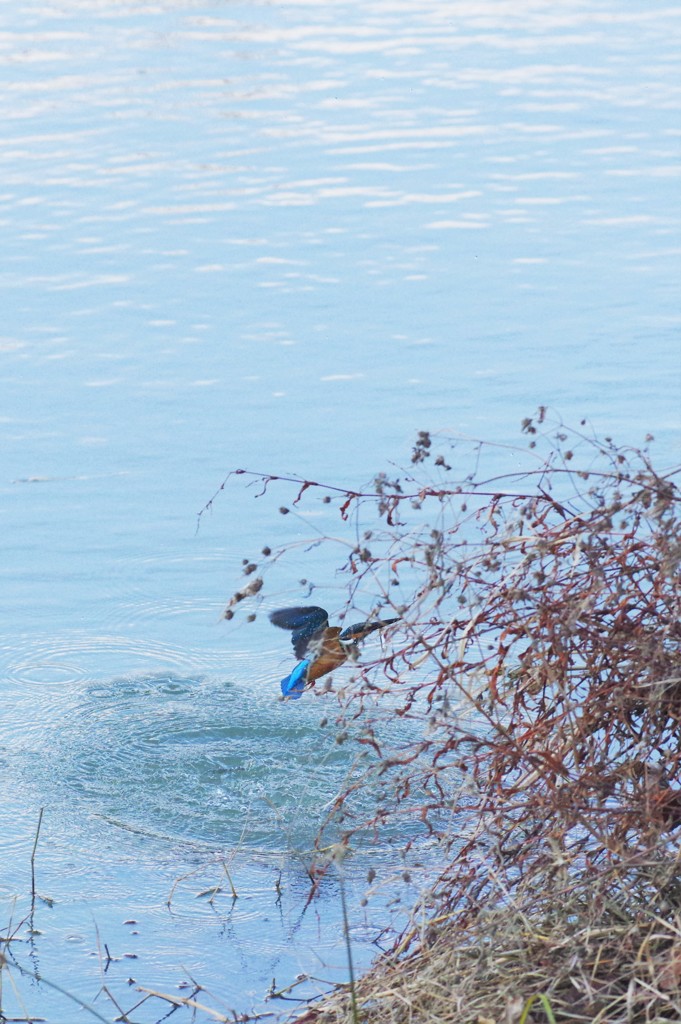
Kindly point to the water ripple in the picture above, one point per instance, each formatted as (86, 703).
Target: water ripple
(179, 753)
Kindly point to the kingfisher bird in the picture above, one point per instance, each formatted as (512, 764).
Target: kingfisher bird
(321, 647)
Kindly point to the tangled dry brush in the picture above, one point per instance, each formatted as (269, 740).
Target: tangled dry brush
(539, 670)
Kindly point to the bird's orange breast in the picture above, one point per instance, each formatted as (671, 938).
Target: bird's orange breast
(331, 655)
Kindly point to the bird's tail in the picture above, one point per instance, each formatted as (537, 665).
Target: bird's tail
(294, 684)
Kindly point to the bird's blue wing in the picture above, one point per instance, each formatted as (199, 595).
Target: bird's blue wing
(294, 684)
(305, 623)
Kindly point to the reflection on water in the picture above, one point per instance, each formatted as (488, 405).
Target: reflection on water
(209, 210)
(279, 237)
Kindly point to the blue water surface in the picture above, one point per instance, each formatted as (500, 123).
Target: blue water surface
(282, 237)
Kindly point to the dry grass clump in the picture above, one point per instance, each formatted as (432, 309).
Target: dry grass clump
(585, 962)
